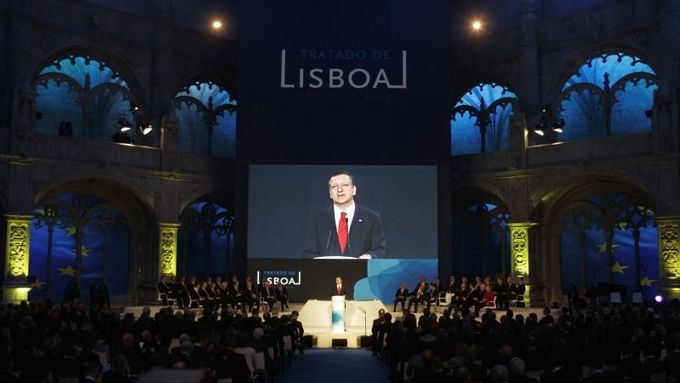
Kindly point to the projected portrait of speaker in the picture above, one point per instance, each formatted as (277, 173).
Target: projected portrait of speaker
(344, 229)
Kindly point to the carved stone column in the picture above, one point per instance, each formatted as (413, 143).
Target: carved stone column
(668, 229)
(519, 252)
(167, 248)
(15, 286)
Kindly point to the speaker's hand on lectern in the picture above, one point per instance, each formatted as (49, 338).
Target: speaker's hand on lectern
(365, 256)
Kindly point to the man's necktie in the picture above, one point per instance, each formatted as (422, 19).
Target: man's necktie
(342, 232)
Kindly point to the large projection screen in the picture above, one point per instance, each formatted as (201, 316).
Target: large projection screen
(283, 199)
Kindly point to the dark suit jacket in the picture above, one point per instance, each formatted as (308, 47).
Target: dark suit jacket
(343, 291)
(365, 235)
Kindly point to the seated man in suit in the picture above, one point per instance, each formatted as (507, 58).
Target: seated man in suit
(345, 228)
(400, 296)
(164, 290)
(268, 295)
(417, 297)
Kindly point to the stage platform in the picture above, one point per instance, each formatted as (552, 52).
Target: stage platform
(315, 317)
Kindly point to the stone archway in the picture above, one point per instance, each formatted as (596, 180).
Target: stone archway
(574, 213)
(206, 235)
(480, 232)
(106, 198)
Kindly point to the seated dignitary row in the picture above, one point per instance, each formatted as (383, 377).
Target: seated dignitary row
(211, 294)
(464, 295)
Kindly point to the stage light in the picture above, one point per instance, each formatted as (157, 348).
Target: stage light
(539, 129)
(145, 128)
(558, 125)
(124, 124)
(476, 25)
(548, 123)
(658, 298)
(216, 24)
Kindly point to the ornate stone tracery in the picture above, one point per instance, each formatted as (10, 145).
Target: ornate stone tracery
(167, 257)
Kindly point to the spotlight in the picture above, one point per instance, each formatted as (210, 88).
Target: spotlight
(658, 298)
(557, 126)
(539, 129)
(124, 124)
(133, 107)
(476, 25)
(216, 24)
(145, 127)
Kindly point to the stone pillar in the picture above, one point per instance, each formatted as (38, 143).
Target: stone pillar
(668, 229)
(666, 111)
(529, 69)
(15, 286)
(518, 140)
(19, 58)
(162, 64)
(167, 248)
(519, 252)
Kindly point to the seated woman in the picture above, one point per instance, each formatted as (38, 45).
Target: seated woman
(489, 296)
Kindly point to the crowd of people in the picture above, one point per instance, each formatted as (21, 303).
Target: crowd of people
(598, 344)
(73, 342)
(463, 295)
(219, 293)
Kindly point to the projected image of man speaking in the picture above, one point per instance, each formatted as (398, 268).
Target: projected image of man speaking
(344, 229)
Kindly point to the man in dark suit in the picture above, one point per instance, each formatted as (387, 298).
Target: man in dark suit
(345, 229)
(400, 296)
(339, 288)
(164, 290)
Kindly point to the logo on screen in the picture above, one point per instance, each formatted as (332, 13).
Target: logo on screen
(318, 69)
(284, 277)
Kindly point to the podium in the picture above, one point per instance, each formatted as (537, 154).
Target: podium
(338, 314)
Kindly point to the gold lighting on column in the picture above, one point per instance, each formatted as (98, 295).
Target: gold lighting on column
(519, 248)
(168, 248)
(17, 252)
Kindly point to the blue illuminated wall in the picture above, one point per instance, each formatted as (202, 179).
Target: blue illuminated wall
(199, 220)
(485, 103)
(207, 115)
(622, 82)
(596, 259)
(477, 231)
(95, 244)
(85, 92)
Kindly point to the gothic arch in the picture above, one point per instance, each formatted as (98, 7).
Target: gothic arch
(141, 221)
(480, 232)
(577, 58)
(122, 65)
(480, 118)
(569, 196)
(206, 235)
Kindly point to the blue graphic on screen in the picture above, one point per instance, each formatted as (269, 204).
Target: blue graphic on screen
(485, 108)
(207, 114)
(596, 264)
(205, 240)
(78, 86)
(104, 247)
(385, 275)
(608, 96)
